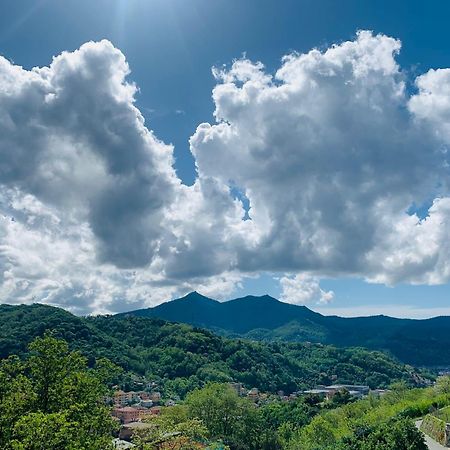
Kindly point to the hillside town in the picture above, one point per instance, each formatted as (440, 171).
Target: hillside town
(133, 408)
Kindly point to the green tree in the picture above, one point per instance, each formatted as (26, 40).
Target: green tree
(219, 408)
(39, 431)
(228, 417)
(53, 401)
(173, 430)
(16, 396)
(50, 364)
(443, 385)
(395, 434)
(318, 435)
(188, 435)
(340, 398)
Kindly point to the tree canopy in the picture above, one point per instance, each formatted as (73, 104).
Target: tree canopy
(52, 400)
(182, 358)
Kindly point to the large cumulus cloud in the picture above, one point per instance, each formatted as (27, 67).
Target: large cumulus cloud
(332, 153)
(88, 194)
(70, 134)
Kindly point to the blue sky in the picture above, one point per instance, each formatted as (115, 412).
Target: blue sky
(171, 47)
(173, 44)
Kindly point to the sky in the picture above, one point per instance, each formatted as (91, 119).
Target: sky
(149, 148)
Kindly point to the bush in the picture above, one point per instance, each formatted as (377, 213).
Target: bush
(434, 427)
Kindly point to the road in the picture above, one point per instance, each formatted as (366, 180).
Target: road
(432, 444)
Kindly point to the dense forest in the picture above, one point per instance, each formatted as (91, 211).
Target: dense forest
(181, 358)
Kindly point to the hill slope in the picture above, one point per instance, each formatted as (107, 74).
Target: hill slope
(182, 357)
(417, 342)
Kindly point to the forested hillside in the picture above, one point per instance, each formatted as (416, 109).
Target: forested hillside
(417, 342)
(52, 400)
(182, 357)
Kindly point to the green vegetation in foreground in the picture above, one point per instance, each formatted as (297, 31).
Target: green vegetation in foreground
(372, 424)
(435, 423)
(51, 400)
(444, 414)
(434, 427)
(181, 358)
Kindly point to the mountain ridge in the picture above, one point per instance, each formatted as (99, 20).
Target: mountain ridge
(416, 341)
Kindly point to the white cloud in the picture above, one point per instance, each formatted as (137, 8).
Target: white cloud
(90, 201)
(410, 249)
(71, 136)
(432, 102)
(48, 257)
(330, 151)
(303, 289)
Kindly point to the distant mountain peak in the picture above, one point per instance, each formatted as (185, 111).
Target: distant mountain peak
(196, 296)
(256, 298)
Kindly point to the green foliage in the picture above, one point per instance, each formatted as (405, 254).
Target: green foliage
(51, 398)
(39, 431)
(395, 434)
(443, 414)
(442, 385)
(52, 401)
(231, 418)
(172, 430)
(175, 429)
(372, 423)
(434, 424)
(318, 435)
(434, 427)
(221, 410)
(341, 398)
(182, 358)
(297, 413)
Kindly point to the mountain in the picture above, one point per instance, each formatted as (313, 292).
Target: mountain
(181, 357)
(417, 342)
(238, 316)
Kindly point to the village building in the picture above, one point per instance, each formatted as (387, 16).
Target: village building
(127, 430)
(155, 397)
(238, 388)
(130, 414)
(253, 394)
(146, 403)
(356, 391)
(125, 398)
